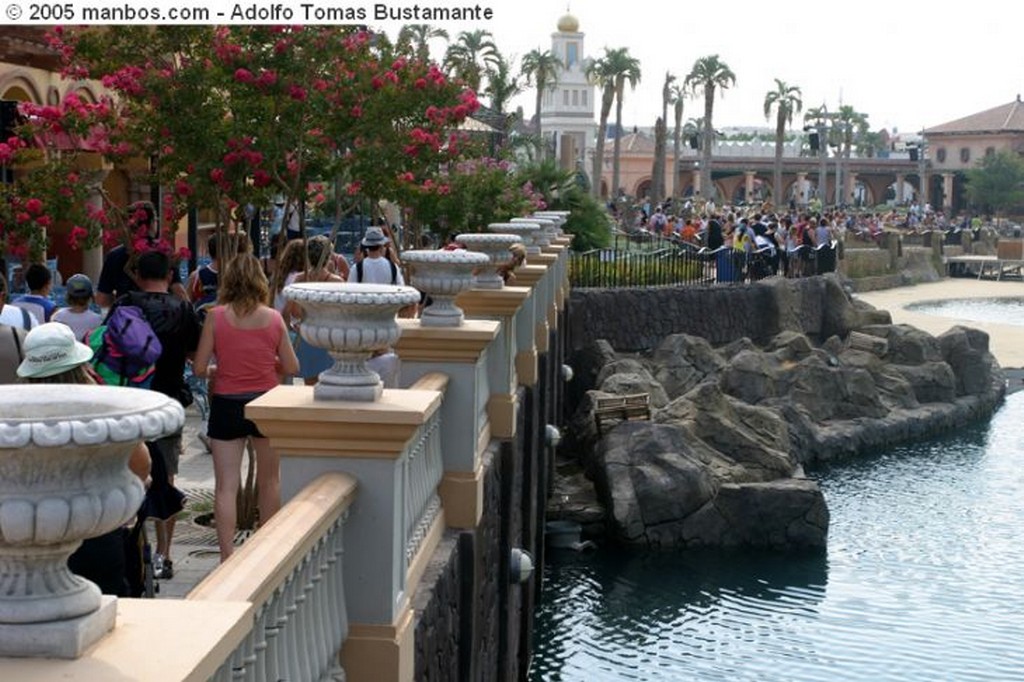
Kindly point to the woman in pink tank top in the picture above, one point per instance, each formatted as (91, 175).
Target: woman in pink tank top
(252, 350)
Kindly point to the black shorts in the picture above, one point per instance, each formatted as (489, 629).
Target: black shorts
(227, 417)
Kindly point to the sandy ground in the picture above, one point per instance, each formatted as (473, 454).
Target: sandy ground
(1006, 341)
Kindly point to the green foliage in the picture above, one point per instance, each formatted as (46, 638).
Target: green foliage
(997, 182)
(589, 222)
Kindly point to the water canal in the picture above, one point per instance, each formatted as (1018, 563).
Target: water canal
(923, 580)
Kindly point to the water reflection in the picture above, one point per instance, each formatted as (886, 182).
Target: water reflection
(923, 580)
(1001, 310)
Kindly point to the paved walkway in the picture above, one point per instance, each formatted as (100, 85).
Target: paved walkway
(194, 548)
(1006, 341)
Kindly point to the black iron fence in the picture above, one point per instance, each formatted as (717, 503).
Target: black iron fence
(674, 264)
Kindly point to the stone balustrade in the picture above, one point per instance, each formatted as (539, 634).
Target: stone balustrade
(335, 571)
(292, 573)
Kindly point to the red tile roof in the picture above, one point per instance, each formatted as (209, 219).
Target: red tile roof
(1003, 119)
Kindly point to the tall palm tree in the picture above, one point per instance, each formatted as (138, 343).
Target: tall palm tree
(625, 69)
(599, 72)
(660, 134)
(417, 37)
(677, 95)
(470, 55)
(540, 68)
(502, 84)
(786, 100)
(707, 74)
(852, 123)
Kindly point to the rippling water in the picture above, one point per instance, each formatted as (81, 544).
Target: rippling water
(1002, 310)
(923, 580)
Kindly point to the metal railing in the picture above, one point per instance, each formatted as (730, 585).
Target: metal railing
(685, 264)
(291, 571)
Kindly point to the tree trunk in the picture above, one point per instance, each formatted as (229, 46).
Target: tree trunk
(706, 189)
(541, 147)
(658, 166)
(618, 142)
(602, 132)
(676, 143)
(780, 131)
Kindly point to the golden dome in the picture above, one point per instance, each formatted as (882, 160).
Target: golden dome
(569, 24)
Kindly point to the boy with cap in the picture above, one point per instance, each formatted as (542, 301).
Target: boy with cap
(77, 315)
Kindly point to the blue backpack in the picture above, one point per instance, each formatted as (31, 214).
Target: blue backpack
(125, 348)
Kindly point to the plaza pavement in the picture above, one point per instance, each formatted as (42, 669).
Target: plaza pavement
(194, 551)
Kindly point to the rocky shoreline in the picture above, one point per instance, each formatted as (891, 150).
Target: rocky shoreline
(720, 462)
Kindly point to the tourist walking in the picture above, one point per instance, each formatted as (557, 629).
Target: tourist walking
(177, 328)
(250, 342)
(312, 360)
(78, 315)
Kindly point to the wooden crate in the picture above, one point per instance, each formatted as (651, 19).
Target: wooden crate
(1011, 249)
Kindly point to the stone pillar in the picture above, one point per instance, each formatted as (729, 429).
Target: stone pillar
(900, 179)
(947, 193)
(461, 354)
(801, 182)
(370, 441)
(501, 305)
(696, 181)
(748, 185)
(849, 182)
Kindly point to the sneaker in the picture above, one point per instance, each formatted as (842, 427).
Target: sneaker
(163, 568)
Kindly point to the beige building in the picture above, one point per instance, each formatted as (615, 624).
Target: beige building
(955, 147)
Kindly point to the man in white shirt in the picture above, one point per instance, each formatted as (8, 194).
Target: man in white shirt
(375, 267)
(13, 316)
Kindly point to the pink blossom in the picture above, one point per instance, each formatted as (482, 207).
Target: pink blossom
(357, 111)
(261, 178)
(420, 83)
(243, 75)
(34, 206)
(297, 93)
(182, 188)
(353, 188)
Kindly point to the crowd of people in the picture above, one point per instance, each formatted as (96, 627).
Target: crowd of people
(228, 324)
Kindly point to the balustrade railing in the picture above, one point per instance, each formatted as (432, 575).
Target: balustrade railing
(422, 472)
(291, 571)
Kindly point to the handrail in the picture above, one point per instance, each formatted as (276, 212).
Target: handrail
(254, 571)
(291, 571)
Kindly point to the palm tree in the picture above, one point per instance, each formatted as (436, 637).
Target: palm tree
(852, 123)
(678, 94)
(624, 69)
(541, 68)
(417, 37)
(502, 86)
(818, 118)
(707, 74)
(786, 100)
(660, 135)
(469, 56)
(599, 73)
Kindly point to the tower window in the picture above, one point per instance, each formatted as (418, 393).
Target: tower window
(571, 55)
(565, 97)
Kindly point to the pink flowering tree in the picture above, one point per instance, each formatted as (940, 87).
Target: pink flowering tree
(235, 116)
(53, 158)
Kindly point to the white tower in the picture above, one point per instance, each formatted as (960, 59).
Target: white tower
(567, 109)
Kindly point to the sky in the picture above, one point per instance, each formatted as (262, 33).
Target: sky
(909, 65)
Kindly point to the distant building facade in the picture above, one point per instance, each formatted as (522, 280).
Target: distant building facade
(567, 107)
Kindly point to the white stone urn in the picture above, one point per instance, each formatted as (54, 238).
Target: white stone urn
(496, 246)
(443, 275)
(527, 233)
(351, 322)
(64, 478)
(560, 218)
(542, 237)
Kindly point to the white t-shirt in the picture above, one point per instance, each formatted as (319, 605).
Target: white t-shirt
(11, 315)
(376, 271)
(81, 323)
